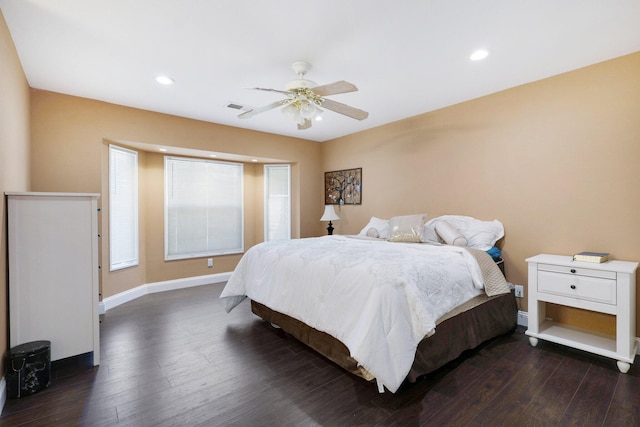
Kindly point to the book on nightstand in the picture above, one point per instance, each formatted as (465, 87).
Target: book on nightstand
(591, 256)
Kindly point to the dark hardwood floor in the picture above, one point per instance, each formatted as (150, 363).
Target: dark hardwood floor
(177, 359)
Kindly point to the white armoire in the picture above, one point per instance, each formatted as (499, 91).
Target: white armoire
(53, 271)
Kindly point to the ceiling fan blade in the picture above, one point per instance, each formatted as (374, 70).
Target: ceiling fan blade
(259, 110)
(305, 125)
(284, 92)
(334, 88)
(344, 109)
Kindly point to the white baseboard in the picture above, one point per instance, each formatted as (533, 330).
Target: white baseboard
(168, 285)
(523, 320)
(3, 393)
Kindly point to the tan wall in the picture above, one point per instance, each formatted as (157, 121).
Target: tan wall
(557, 161)
(157, 268)
(70, 139)
(14, 152)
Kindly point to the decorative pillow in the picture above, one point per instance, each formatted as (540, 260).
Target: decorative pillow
(376, 228)
(373, 232)
(479, 234)
(450, 234)
(407, 228)
(430, 235)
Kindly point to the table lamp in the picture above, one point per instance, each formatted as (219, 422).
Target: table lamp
(329, 215)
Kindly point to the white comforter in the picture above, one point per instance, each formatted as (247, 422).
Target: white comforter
(378, 298)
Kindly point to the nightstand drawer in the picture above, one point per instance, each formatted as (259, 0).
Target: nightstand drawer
(578, 270)
(588, 288)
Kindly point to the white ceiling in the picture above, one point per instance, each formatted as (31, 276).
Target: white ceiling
(406, 57)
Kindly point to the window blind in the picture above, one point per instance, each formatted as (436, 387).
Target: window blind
(277, 202)
(123, 208)
(203, 208)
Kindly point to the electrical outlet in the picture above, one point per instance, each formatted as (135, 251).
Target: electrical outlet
(210, 262)
(519, 291)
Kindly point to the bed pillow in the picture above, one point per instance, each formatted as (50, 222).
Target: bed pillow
(376, 228)
(407, 228)
(479, 234)
(450, 234)
(430, 235)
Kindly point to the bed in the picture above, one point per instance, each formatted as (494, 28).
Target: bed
(384, 309)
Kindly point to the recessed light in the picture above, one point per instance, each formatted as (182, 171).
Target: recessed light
(165, 80)
(254, 160)
(162, 149)
(479, 55)
(213, 155)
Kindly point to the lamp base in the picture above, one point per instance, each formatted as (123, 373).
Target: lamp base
(330, 229)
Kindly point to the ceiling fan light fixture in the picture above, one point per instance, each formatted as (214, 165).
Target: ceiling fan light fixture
(307, 109)
(304, 99)
(291, 112)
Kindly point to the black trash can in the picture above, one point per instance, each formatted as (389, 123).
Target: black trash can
(28, 368)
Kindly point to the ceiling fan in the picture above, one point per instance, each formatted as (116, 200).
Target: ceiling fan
(304, 99)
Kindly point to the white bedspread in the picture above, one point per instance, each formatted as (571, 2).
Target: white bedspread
(379, 298)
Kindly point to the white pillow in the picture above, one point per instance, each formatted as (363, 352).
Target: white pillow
(430, 234)
(450, 234)
(407, 228)
(376, 228)
(482, 235)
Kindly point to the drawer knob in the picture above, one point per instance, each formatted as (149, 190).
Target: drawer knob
(573, 286)
(573, 270)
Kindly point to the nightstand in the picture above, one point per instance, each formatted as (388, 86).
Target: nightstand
(608, 287)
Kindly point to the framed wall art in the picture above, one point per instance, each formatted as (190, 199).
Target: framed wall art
(343, 187)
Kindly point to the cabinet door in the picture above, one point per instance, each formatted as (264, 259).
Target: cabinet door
(51, 272)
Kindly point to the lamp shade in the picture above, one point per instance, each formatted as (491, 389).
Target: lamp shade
(329, 214)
